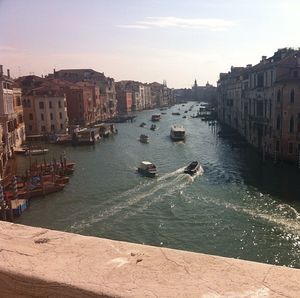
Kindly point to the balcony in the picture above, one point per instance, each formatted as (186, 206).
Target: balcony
(37, 262)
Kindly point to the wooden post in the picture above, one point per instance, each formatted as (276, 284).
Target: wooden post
(2, 204)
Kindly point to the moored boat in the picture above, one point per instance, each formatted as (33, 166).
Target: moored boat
(147, 168)
(177, 133)
(176, 113)
(192, 168)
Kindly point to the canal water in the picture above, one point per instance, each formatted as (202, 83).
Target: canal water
(240, 207)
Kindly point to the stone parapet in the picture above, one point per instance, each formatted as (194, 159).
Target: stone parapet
(37, 262)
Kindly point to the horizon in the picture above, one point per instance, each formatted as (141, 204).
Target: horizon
(141, 41)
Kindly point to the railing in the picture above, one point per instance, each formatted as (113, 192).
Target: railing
(37, 262)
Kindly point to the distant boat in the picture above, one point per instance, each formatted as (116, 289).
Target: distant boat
(148, 169)
(176, 113)
(142, 124)
(155, 117)
(192, 168)
(144, 139)
(153, 127)
(177, 133)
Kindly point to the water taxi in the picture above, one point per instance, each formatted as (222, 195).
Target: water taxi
(153, 127)
(177, 133)
(155, 117)
(192, 168)
(147, 168)
(144, 139)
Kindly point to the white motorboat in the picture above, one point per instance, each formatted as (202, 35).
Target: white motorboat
(177, 133)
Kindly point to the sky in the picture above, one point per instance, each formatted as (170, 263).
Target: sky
(173, 40)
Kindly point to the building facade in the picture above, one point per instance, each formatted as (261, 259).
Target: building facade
(45, 111)
(262, 102)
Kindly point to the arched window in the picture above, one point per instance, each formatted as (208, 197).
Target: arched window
(278, 96)
(278, 123)
(292, 96)
(292, 124)
(30, 116)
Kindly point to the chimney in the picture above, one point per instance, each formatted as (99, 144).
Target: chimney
(1, 70)
(8, 73)
(249, 65)
(263, 58)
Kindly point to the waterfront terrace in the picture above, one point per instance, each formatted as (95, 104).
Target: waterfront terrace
(37, 262)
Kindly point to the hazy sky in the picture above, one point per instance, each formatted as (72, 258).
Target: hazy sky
(175, 40)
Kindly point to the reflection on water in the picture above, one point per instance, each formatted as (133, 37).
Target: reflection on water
(238, 207)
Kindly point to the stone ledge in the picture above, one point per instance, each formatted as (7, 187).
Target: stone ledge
(36, 262)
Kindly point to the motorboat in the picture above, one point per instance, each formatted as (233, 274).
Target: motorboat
(148, 169)
(177, 133)
(153, 127)
(143, 124)
(155, 117)
(176, 113)
(144, 139)
(37, 151)
(192, 168)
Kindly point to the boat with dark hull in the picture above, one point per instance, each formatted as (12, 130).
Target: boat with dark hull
(192, 168)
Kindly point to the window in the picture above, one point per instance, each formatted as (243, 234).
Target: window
(295, 74)
(20, 119)
(30, 127)
(277, 146)
(291, 148)
(51, 116)
(292, 96)
(28, 103)
(278, 123)
(59, 104)
(278, 96)
(42, 117)
(50, 104)
(18, 100)
(43, 128)
(41, 105)
(61, 127)
(60, 115)
(30, 116)
(291, 125)
(52, 127)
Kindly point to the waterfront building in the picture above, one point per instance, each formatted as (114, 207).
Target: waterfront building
(108, 100)
(124, 98)
(8, 115)
(45, 111)
(207, 93)
(20, 124)
(262, 103)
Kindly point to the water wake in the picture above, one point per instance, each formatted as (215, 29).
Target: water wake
(143, 195)
(283, 215)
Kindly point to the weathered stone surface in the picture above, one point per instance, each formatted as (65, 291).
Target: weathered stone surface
(36, 262)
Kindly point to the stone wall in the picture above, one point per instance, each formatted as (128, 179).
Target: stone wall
(37, 262)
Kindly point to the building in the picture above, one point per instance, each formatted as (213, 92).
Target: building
(262, 103)
(106, 85)
(8, 115)
(45, 111)
(20, 124)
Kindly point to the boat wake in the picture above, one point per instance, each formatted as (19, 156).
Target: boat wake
(139, 198)
(283, 215)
